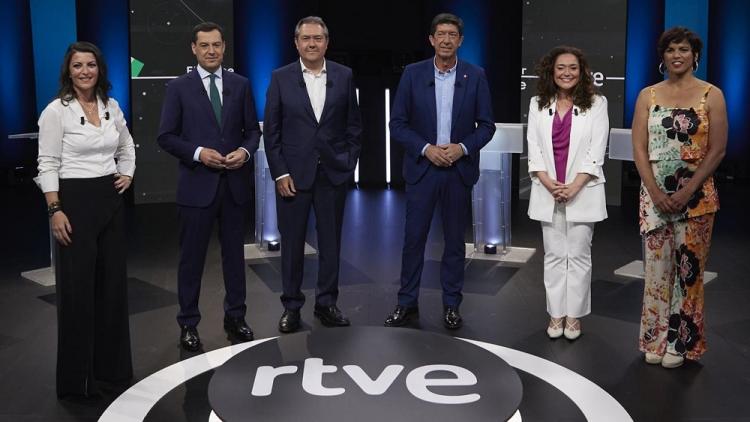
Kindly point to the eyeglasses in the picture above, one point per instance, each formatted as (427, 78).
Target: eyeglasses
(449, 35)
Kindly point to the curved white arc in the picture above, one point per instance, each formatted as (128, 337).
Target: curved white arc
(595, 403)
(134, 404)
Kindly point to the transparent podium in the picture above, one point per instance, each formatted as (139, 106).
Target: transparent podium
(621, 148)
(491, 198)
(267, 236)
(44, 276)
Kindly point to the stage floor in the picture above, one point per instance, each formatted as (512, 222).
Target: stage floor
(503, 305)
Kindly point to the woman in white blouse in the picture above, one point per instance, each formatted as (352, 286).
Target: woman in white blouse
(567, 136)
(86, 161)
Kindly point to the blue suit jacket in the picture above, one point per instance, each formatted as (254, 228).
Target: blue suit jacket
(188, 121)
(294, 141)
(414, 117)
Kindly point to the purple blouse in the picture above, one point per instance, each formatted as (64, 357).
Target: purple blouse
(561, 142)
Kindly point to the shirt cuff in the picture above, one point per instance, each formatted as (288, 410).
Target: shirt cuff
(48, 182)
(281, 177)
(197, 154)
(463, 147)
(424, 148)
(247, 157)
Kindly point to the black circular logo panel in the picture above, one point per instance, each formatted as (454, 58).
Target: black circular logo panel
(365, 374)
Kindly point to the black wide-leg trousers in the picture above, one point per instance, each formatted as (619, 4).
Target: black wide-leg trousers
(91, 280)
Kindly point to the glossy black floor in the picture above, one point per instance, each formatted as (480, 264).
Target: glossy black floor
(502, 305)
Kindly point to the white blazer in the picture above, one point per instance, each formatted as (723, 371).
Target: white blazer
(588, 140)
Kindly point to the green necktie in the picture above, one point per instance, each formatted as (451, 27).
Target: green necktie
(215, 99)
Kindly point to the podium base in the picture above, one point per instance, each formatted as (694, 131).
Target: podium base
(635, 270)
(254, 251)
(511, 254)
(44, 276)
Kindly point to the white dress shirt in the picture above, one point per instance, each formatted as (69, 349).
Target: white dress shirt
(71, 150)
(316, 88)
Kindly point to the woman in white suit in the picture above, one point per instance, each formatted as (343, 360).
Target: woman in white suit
(567, 137)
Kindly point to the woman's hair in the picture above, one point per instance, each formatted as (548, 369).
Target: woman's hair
(679, 34)
(546, 89)
(66, 92)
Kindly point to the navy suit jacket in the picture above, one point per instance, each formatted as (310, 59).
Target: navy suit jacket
(188, 121)
(295, 142)
(414, 117)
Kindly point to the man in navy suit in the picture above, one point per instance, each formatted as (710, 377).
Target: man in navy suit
(209, 123)
(442, 116)
(312, 140)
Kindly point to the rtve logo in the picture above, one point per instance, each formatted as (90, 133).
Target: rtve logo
(417, 380)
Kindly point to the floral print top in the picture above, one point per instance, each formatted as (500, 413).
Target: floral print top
(677, 143)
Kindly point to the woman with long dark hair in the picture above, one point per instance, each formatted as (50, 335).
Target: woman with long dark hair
(676, 152)
(567, 137)
(86, 161)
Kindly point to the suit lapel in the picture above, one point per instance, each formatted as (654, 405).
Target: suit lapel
(459, 91)
(547, 120)
(226, 95)
(429, 84)
(331, 84)
(576, 124)
(203, 100)
(307, 105)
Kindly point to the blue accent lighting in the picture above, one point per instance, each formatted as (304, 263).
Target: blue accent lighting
(106, 24)
(53, 27)
(259, 33)
(645, 23)
(692, 14)
(730, 61)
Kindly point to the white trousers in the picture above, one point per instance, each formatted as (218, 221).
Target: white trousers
(567, 265)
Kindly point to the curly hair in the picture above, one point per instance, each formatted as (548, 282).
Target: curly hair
(67, 92)
(546, 89)
(679, 34)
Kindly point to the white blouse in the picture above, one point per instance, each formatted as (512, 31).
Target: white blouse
(69, 149)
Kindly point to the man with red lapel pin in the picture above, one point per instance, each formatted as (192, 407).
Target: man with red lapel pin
(442, 116)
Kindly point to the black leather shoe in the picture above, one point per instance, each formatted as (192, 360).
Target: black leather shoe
(289, 321)
(331, 316)
(237, 329)
(400, 316)
(452, 318)
(189, 339)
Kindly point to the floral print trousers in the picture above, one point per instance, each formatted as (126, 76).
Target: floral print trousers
(672, 318)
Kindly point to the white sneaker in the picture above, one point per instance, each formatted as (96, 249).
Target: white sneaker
(572, 329)
(653, 358)
(555, 328)
(672, 361)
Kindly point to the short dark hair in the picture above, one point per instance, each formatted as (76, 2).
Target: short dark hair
(546, 89)
(312, 20)
(679, 34)
(207, 27)
(448, 18)
(66, 91)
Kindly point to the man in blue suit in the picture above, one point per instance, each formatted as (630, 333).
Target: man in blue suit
(209, 123)
(442, 116)
(312, 140)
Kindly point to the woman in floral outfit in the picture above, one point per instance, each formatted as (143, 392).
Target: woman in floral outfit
(676, 152)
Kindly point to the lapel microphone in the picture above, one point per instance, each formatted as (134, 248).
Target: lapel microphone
(302, 83)
(431, 82)
(575, 110)
(329, 83)
(551, 112)
(106, 117)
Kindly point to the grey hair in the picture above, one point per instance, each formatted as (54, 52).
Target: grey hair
(315, 20)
